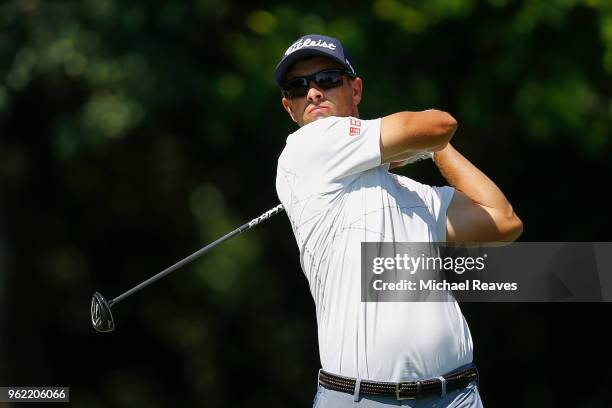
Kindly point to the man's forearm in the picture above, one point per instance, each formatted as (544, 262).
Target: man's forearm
(460, 173)
(479, 211)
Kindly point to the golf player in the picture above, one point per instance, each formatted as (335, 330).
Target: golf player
(334, 182)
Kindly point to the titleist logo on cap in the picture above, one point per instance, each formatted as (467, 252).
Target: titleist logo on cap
(309, 43)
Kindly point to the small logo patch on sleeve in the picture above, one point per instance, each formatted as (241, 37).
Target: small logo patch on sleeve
(355, 127)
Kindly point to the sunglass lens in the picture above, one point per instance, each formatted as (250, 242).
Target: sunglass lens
(296, 88)
(329, 79)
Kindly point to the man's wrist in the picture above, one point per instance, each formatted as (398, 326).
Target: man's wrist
(412, 159)
(439, 155)
(418, 157)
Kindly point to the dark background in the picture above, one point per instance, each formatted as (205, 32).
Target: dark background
(133, 133)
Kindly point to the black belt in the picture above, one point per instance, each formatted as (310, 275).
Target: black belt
(401, 390)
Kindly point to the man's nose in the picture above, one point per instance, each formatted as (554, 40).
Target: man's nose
(314, 93)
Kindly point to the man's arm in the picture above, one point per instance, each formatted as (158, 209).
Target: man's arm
(479, 211)
(403, 134)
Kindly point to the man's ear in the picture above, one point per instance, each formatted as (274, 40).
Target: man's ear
(287, 105)
(357, 87)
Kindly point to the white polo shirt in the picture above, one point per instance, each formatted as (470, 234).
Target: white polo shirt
(337, 194)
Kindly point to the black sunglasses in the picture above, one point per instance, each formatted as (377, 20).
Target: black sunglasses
(326, 79)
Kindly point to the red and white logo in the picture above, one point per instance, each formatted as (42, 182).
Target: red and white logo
(355, 127)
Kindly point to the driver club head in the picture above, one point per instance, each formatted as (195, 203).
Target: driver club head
(101, 316)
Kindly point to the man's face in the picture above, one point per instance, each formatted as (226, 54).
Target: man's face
(318, 103)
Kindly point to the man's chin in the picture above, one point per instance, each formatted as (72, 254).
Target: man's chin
(318, 115)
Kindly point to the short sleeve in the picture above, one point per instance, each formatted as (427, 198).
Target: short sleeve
(334, 148)
(439, 199)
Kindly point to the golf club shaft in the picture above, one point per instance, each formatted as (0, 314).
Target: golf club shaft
(198, 253)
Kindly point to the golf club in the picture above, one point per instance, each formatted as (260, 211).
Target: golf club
(101, 316)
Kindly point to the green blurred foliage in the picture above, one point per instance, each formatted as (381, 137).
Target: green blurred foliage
(132, 61)
(134, 132)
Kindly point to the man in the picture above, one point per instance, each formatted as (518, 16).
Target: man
(333, 179)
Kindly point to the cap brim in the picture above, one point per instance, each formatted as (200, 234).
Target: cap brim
(280, 72)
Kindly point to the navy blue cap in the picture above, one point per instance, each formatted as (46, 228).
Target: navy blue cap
(309, 46)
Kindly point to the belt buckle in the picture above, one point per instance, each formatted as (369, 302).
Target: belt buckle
(397, 392)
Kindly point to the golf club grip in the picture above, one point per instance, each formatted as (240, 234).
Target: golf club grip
(199, 253)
